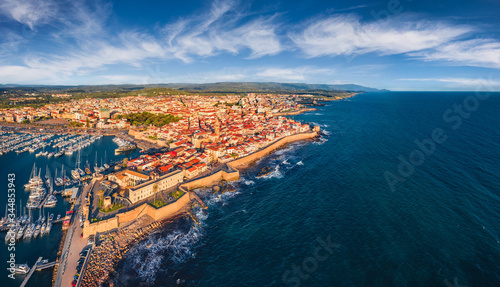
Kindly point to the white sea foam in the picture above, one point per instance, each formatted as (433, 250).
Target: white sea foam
(248, 182)
(220, 198)
(147, 257)
(320, 125)
(300, 163)
(285, 150)
(276, 173)
(321, 141)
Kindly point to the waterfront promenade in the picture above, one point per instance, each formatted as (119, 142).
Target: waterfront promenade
(73, 244)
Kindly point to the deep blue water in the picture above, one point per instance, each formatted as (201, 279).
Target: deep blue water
(439, 227)
(28, 251)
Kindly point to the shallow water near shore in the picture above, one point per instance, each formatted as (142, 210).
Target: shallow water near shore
(437, 228)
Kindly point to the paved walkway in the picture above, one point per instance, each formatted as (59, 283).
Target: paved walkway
(72, 246)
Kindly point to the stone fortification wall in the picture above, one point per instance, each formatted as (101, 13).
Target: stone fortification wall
(210, 180)
(245, 161)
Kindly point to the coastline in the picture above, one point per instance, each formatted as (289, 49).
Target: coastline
(118, 251)
(301, 111)
(244, 162)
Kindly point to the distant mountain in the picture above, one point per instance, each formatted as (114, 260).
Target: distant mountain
(268, 87)
(221, 87)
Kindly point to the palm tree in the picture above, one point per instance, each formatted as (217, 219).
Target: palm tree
(155, 190)
(115, 195)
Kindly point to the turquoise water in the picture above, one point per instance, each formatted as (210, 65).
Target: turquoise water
(28, 251)
(438, 227)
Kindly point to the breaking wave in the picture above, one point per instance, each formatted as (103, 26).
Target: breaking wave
(321, 141)
(248, 182)
(320, 125)
(152, 256)
(220, 198)
(276, 173)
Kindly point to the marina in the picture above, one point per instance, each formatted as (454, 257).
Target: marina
(40, 205)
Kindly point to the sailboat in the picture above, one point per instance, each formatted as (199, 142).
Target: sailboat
(96, 168)
(47, 177)
(59, 153)
(101, 168)
(60, 180)
(76, 173)
(33, 181)
(80, 171)
(87, 168)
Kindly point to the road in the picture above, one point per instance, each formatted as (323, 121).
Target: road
(73, 244)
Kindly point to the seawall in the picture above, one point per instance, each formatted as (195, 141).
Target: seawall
(144, 209)
(243, 162)
(179, 205)
(211, 179)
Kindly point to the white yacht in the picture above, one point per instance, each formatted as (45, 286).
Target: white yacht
(22, 268)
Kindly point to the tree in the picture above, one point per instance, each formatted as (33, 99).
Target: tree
(155, 189)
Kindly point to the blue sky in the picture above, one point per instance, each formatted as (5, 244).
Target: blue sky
(394, 44)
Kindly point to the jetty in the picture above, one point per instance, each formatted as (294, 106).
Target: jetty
(38, 267)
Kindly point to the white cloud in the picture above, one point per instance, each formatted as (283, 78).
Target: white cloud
(29, 12)
(478, 83)
(155, 75)
(222, 30)
(82, 44)
(347, 35)
(290, 74)
(83, 21)
(25, 75)
(477, 52)
(123, 79)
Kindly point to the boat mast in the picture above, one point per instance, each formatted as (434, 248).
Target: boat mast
(78, 160)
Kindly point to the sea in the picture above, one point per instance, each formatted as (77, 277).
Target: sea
(402, 189)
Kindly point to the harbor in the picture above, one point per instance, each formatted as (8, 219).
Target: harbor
(42, 204)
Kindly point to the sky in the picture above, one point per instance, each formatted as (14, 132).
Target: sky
(392, 44)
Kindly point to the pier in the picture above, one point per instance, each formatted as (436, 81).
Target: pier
(38, 267)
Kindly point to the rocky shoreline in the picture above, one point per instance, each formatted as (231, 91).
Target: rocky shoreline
(111, 249)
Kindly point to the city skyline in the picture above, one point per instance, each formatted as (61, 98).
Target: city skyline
(396, 45)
